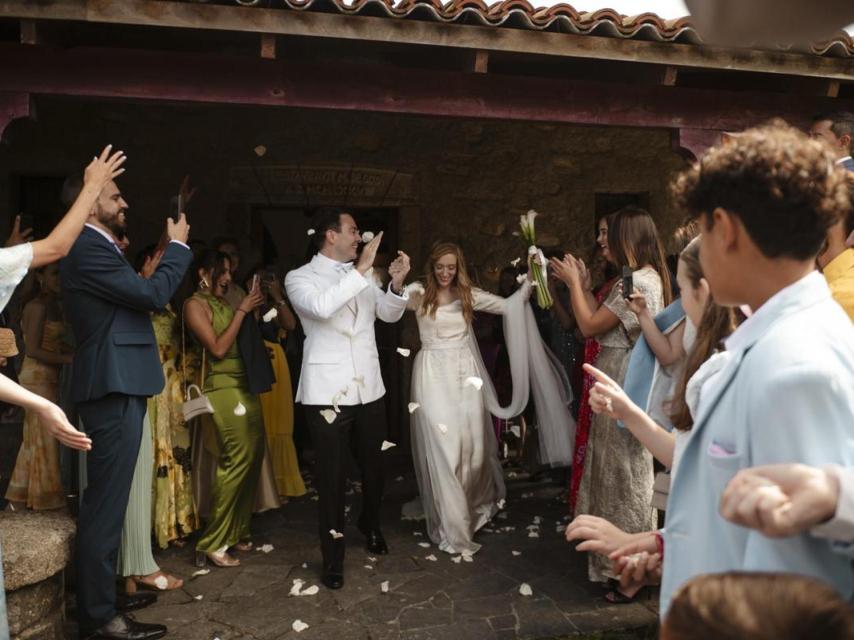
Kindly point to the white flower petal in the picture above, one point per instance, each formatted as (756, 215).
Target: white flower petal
(369, 567)
(310, 232)
(533, 527)
(515, 262)
(456, 559)
(329, 415)
(260, 150)
(404, 352)
(367, 236)
(516, 234)
(413, 406)
(431, 558)
(299, 626)
(198, 597)
(525, 589)
(516, 553)
(311, 591)
(335, 535)
(161, 583)
(399, 479)
(468, 557)
(532, 250)
(201, 572)
(304, 565)
(265, 548)
(270, 315)
(384, 586)
(386, 445)
(501, 504)
(417, 533)
(371, 559)
(533, 534)
(296, 587)
(537, 520)
(240, 410)
(442, 427)
(473, 381)
(426, 545)
(521, 278)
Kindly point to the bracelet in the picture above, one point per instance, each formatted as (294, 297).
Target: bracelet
(659, 543)
(244, 313)
(281, 303)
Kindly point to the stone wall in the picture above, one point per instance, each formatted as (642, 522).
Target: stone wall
(453, 179)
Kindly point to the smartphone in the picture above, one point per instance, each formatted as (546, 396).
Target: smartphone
(628, 283)
(255, 281)
(177, 206)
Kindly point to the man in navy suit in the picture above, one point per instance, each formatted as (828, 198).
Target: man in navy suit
(116, 367)
(837, 130)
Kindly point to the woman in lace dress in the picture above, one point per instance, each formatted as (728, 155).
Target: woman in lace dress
(617, 480)
(453, 443)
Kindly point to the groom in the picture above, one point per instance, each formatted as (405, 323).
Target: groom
(340, 384)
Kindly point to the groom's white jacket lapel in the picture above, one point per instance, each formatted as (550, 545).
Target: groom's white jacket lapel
(337, 306)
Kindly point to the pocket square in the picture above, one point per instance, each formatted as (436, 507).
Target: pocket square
(719, 450)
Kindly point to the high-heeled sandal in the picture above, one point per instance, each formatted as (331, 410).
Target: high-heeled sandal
(218, 558)
(246, 545)
(159, 581)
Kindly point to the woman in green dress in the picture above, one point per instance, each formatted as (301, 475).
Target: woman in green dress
(237, 413)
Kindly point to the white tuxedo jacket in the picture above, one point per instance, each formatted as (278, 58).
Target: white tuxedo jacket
(337, 307)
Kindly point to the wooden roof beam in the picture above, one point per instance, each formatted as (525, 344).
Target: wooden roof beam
(160, 13)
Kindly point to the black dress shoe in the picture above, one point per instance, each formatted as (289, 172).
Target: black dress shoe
(123, 627)
(333, 580)
(132, 601)
(375, 543)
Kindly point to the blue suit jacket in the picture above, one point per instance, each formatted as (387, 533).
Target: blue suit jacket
(108, 305)
(786, 395)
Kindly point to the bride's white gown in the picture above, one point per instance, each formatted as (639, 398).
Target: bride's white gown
(454, 450)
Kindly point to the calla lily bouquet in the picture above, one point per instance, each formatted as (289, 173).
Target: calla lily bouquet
(538, 263)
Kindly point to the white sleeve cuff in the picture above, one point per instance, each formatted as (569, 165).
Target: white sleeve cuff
(181, 243)
(841, 527)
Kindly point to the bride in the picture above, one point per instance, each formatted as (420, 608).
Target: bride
(453, 443)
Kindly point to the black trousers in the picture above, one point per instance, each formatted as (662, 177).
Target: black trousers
(114, 423)
(362, 427)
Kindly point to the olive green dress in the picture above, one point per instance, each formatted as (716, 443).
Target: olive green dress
(240, 436)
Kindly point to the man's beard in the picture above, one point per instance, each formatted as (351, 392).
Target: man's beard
(112, 222)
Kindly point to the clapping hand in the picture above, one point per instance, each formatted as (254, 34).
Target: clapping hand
(569, 269)
(369, 254)
(597, 535)
(104, 168)
(151, 263)
(398, 270)
(17, 236)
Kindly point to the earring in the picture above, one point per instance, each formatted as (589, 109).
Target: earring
(203, 284)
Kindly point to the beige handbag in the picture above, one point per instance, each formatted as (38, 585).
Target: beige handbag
(200, 405)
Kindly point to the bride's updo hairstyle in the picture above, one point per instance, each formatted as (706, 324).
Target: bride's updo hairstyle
(462, 282)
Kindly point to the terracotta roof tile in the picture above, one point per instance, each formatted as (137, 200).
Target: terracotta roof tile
(562, 18)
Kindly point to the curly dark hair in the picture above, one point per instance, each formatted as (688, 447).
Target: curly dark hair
(785, 188)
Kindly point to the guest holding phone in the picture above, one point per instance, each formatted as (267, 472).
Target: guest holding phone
(227, 371)
(617, 480)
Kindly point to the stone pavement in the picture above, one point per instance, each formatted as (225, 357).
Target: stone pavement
(426, 598)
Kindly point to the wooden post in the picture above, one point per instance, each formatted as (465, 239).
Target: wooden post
(268, 46)
(481, 61)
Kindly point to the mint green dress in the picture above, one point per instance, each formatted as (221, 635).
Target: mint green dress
(239, 439)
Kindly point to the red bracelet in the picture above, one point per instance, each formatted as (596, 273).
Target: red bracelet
(659, 543)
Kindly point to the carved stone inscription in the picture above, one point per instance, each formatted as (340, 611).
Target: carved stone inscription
(316, 185)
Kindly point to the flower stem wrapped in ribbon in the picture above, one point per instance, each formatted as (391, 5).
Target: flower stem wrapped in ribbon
(538, 264)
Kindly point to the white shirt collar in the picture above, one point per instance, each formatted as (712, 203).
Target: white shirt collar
(109, 238)
(322, 262)
(806, 292)
(843, 160)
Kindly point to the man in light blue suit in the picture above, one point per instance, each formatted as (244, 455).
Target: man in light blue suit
(786, 394)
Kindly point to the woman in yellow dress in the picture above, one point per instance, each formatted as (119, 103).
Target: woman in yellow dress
(277, 405)
(37, 481)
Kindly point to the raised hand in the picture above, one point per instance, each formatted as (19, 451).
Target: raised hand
(252, 300)
(150, 265)
(105, 167)
(780, 500)
(566, 269)
(57, 425)
(186, 192)
(17, 236)
(398, 270)
(180, 230)
(369, 254)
